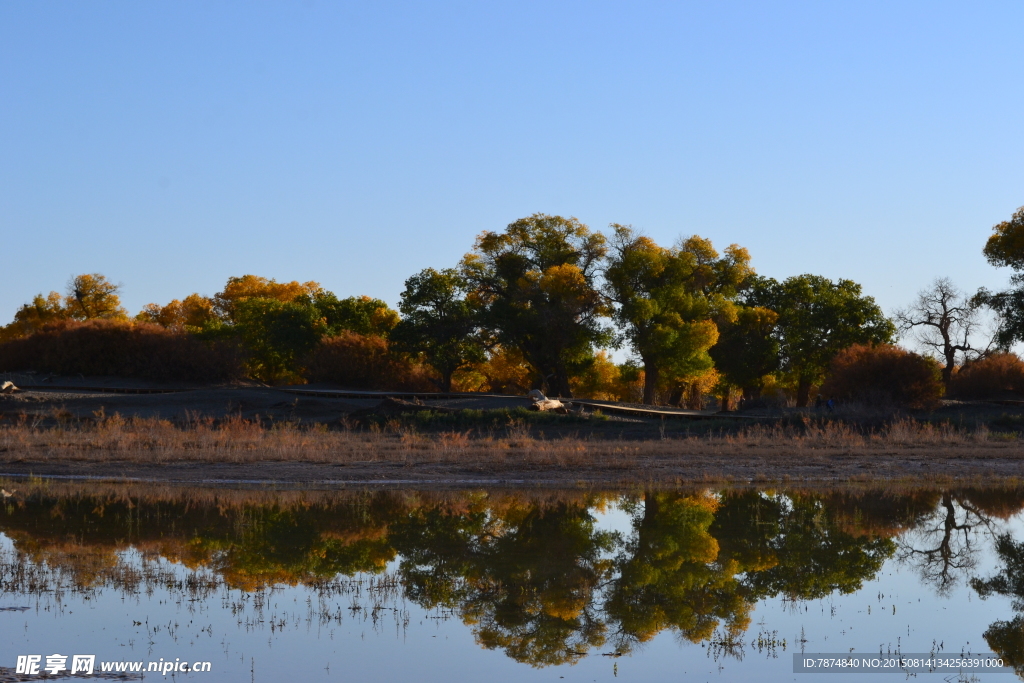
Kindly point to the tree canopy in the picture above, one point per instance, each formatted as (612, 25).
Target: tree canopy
(193, 314)
(1005, 247)
(87, 297)
(817, 319)
(668, 301)
(535, 284)
(239, 289)
(748, 350)
(440, 322)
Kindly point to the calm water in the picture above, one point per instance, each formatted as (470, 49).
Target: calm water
(517, 586)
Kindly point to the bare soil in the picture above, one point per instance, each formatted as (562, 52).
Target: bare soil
(983, 469)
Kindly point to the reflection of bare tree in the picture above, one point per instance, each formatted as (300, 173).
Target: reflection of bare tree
(943, 547)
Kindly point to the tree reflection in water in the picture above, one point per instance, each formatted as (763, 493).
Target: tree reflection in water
(533, 575)
(943, 546)
(1005, 637)
(671, 575)
(800, 546)
(522, 575)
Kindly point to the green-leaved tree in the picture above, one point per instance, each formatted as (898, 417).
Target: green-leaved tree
(1005, 248)
(818, 318)
(669, 299)
(439, 322)
(535, 285)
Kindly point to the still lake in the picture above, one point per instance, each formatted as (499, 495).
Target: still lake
(508, 585)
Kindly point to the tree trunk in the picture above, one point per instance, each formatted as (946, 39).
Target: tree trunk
(559, 384)
(446, 381)
(676, 396)
(947, 372)
(803, 393)
(726, 399)
(650, 383)
(694, 397)
(651, 506)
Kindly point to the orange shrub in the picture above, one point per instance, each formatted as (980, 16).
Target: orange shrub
(997, 374)
(120, 348)
(358, 361)
(883, 374)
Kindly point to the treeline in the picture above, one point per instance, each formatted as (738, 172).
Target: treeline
(537, 306)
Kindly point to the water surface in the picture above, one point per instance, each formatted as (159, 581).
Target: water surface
(699, 584)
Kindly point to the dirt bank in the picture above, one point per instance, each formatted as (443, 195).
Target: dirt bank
(981, 468)
(245, 451)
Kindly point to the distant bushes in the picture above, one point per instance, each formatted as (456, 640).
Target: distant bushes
(150, 351)
(997, 374)
(121, 348)
(884, 375)
(358, 361)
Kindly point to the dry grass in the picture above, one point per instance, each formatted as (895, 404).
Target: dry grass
(239, 440)
(517, 446)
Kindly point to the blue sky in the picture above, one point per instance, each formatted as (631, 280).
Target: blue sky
(170, 145)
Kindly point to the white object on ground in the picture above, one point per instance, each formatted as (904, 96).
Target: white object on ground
(542, 402)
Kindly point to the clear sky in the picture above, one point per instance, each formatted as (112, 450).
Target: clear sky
(172, 144)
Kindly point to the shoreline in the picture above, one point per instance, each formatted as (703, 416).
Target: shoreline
(966, 467)
(249, 436)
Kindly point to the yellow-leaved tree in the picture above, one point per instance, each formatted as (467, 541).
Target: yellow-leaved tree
(87, 297)
(240, 289)
(192, 313)
(669, 303)
(93, 296)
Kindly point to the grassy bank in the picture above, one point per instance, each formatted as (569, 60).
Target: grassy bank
(416, 447)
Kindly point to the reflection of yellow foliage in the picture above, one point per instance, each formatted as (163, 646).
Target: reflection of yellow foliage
(529, 571)
(561, 604)
(705, 500)
(87, 564)
(761, 562)
(676, 578)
